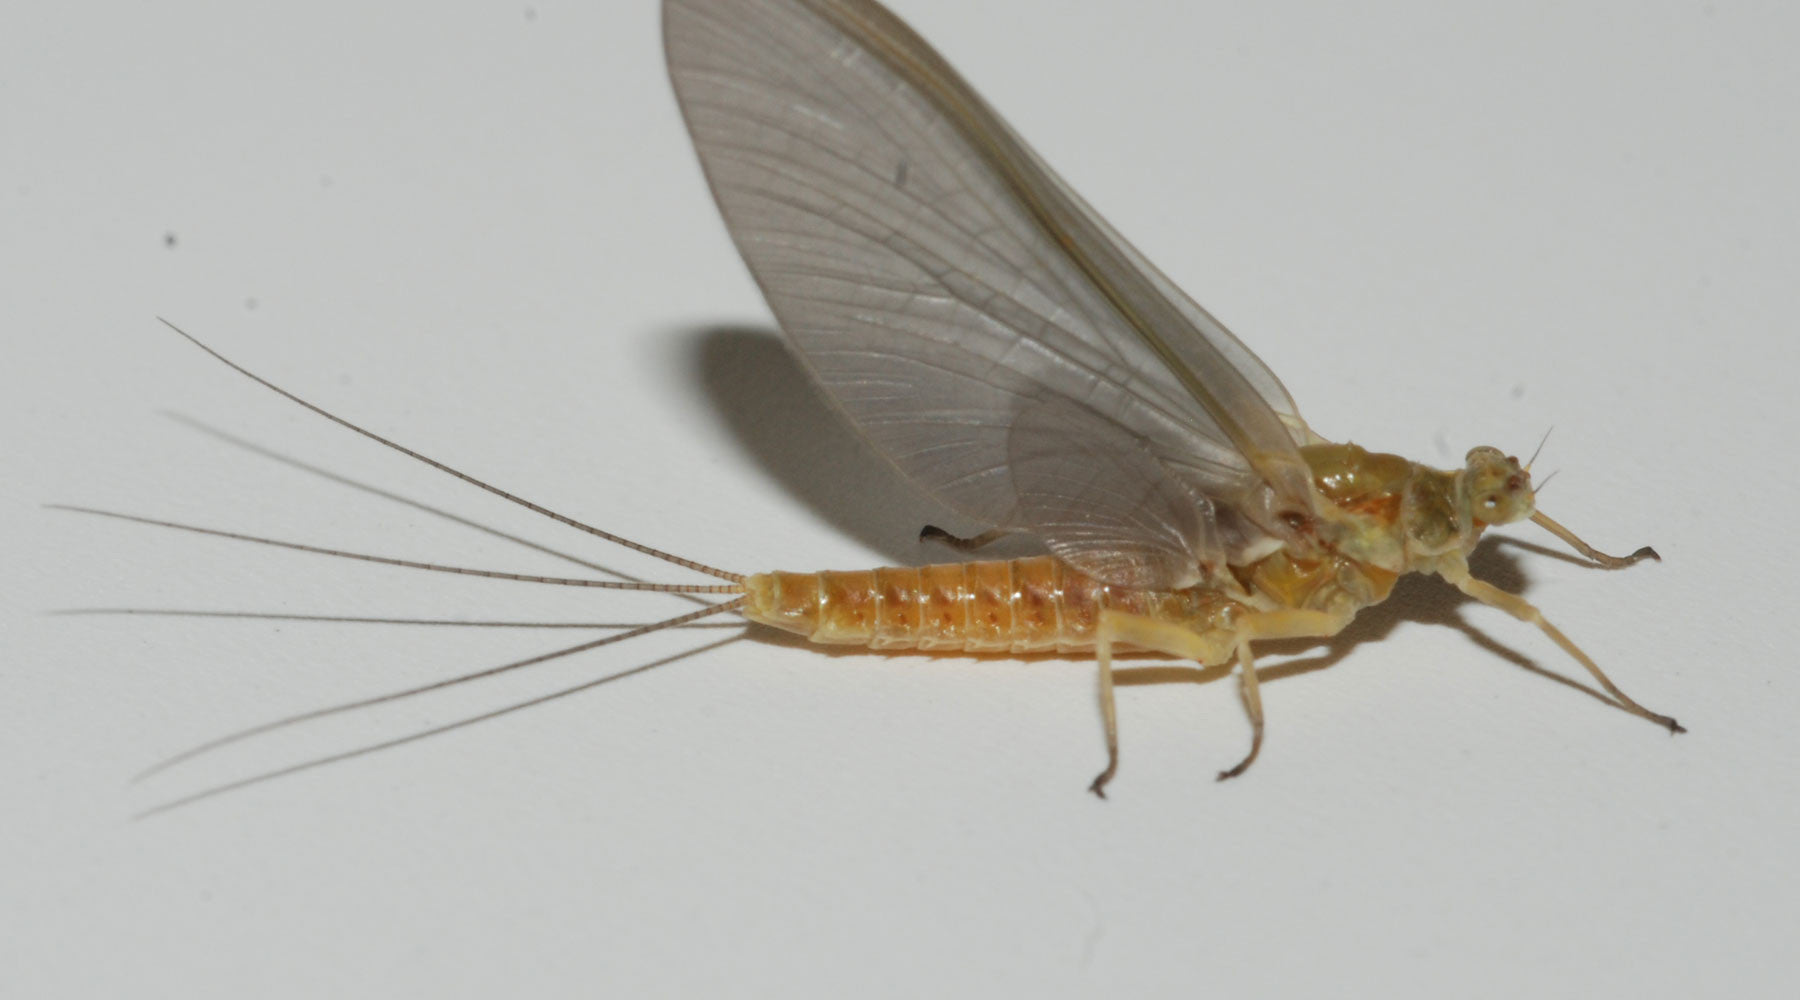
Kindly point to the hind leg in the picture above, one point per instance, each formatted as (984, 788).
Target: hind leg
(1209, 649)
(1148, 634)
(933, 533)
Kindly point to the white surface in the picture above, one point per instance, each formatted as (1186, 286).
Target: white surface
(478, 228)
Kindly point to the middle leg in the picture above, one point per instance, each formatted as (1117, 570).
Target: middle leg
(1288, 624)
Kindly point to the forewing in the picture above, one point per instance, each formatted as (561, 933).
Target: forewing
(939, 281)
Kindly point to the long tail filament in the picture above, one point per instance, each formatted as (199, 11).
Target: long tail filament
(733, 586)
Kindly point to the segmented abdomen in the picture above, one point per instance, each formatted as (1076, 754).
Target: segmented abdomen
(1017, 606)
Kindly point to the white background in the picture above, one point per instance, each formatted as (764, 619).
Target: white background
(479, 228)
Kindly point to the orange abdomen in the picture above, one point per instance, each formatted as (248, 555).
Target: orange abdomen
(1011, 606)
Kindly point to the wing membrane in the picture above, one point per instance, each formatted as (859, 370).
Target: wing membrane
(940, 282)
(1146, 527)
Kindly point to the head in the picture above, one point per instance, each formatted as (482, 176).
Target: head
(1496, 487)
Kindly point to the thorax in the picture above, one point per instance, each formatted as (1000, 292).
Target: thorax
(1386, 511)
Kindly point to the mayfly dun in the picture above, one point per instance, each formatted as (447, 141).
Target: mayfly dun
(1011, 354)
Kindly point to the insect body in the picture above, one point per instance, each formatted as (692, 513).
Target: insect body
(1009, 352)
(1381, 516)
(1389, 516)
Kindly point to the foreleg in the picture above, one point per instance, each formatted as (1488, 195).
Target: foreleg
(1459, 576)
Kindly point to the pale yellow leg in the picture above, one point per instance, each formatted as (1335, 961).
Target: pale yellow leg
(1248, 687)
(1292, 624)
(1109, 708)
(1209, 650)
(1143, 633)
(1525, 611)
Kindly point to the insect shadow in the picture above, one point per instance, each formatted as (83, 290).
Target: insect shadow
(764, 398)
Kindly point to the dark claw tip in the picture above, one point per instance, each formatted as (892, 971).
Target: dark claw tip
(1646, 553)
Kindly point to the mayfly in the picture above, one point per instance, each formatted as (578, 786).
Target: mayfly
(1010, 353)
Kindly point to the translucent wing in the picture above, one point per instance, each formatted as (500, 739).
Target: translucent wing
(942, 283)
(1064, 458)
